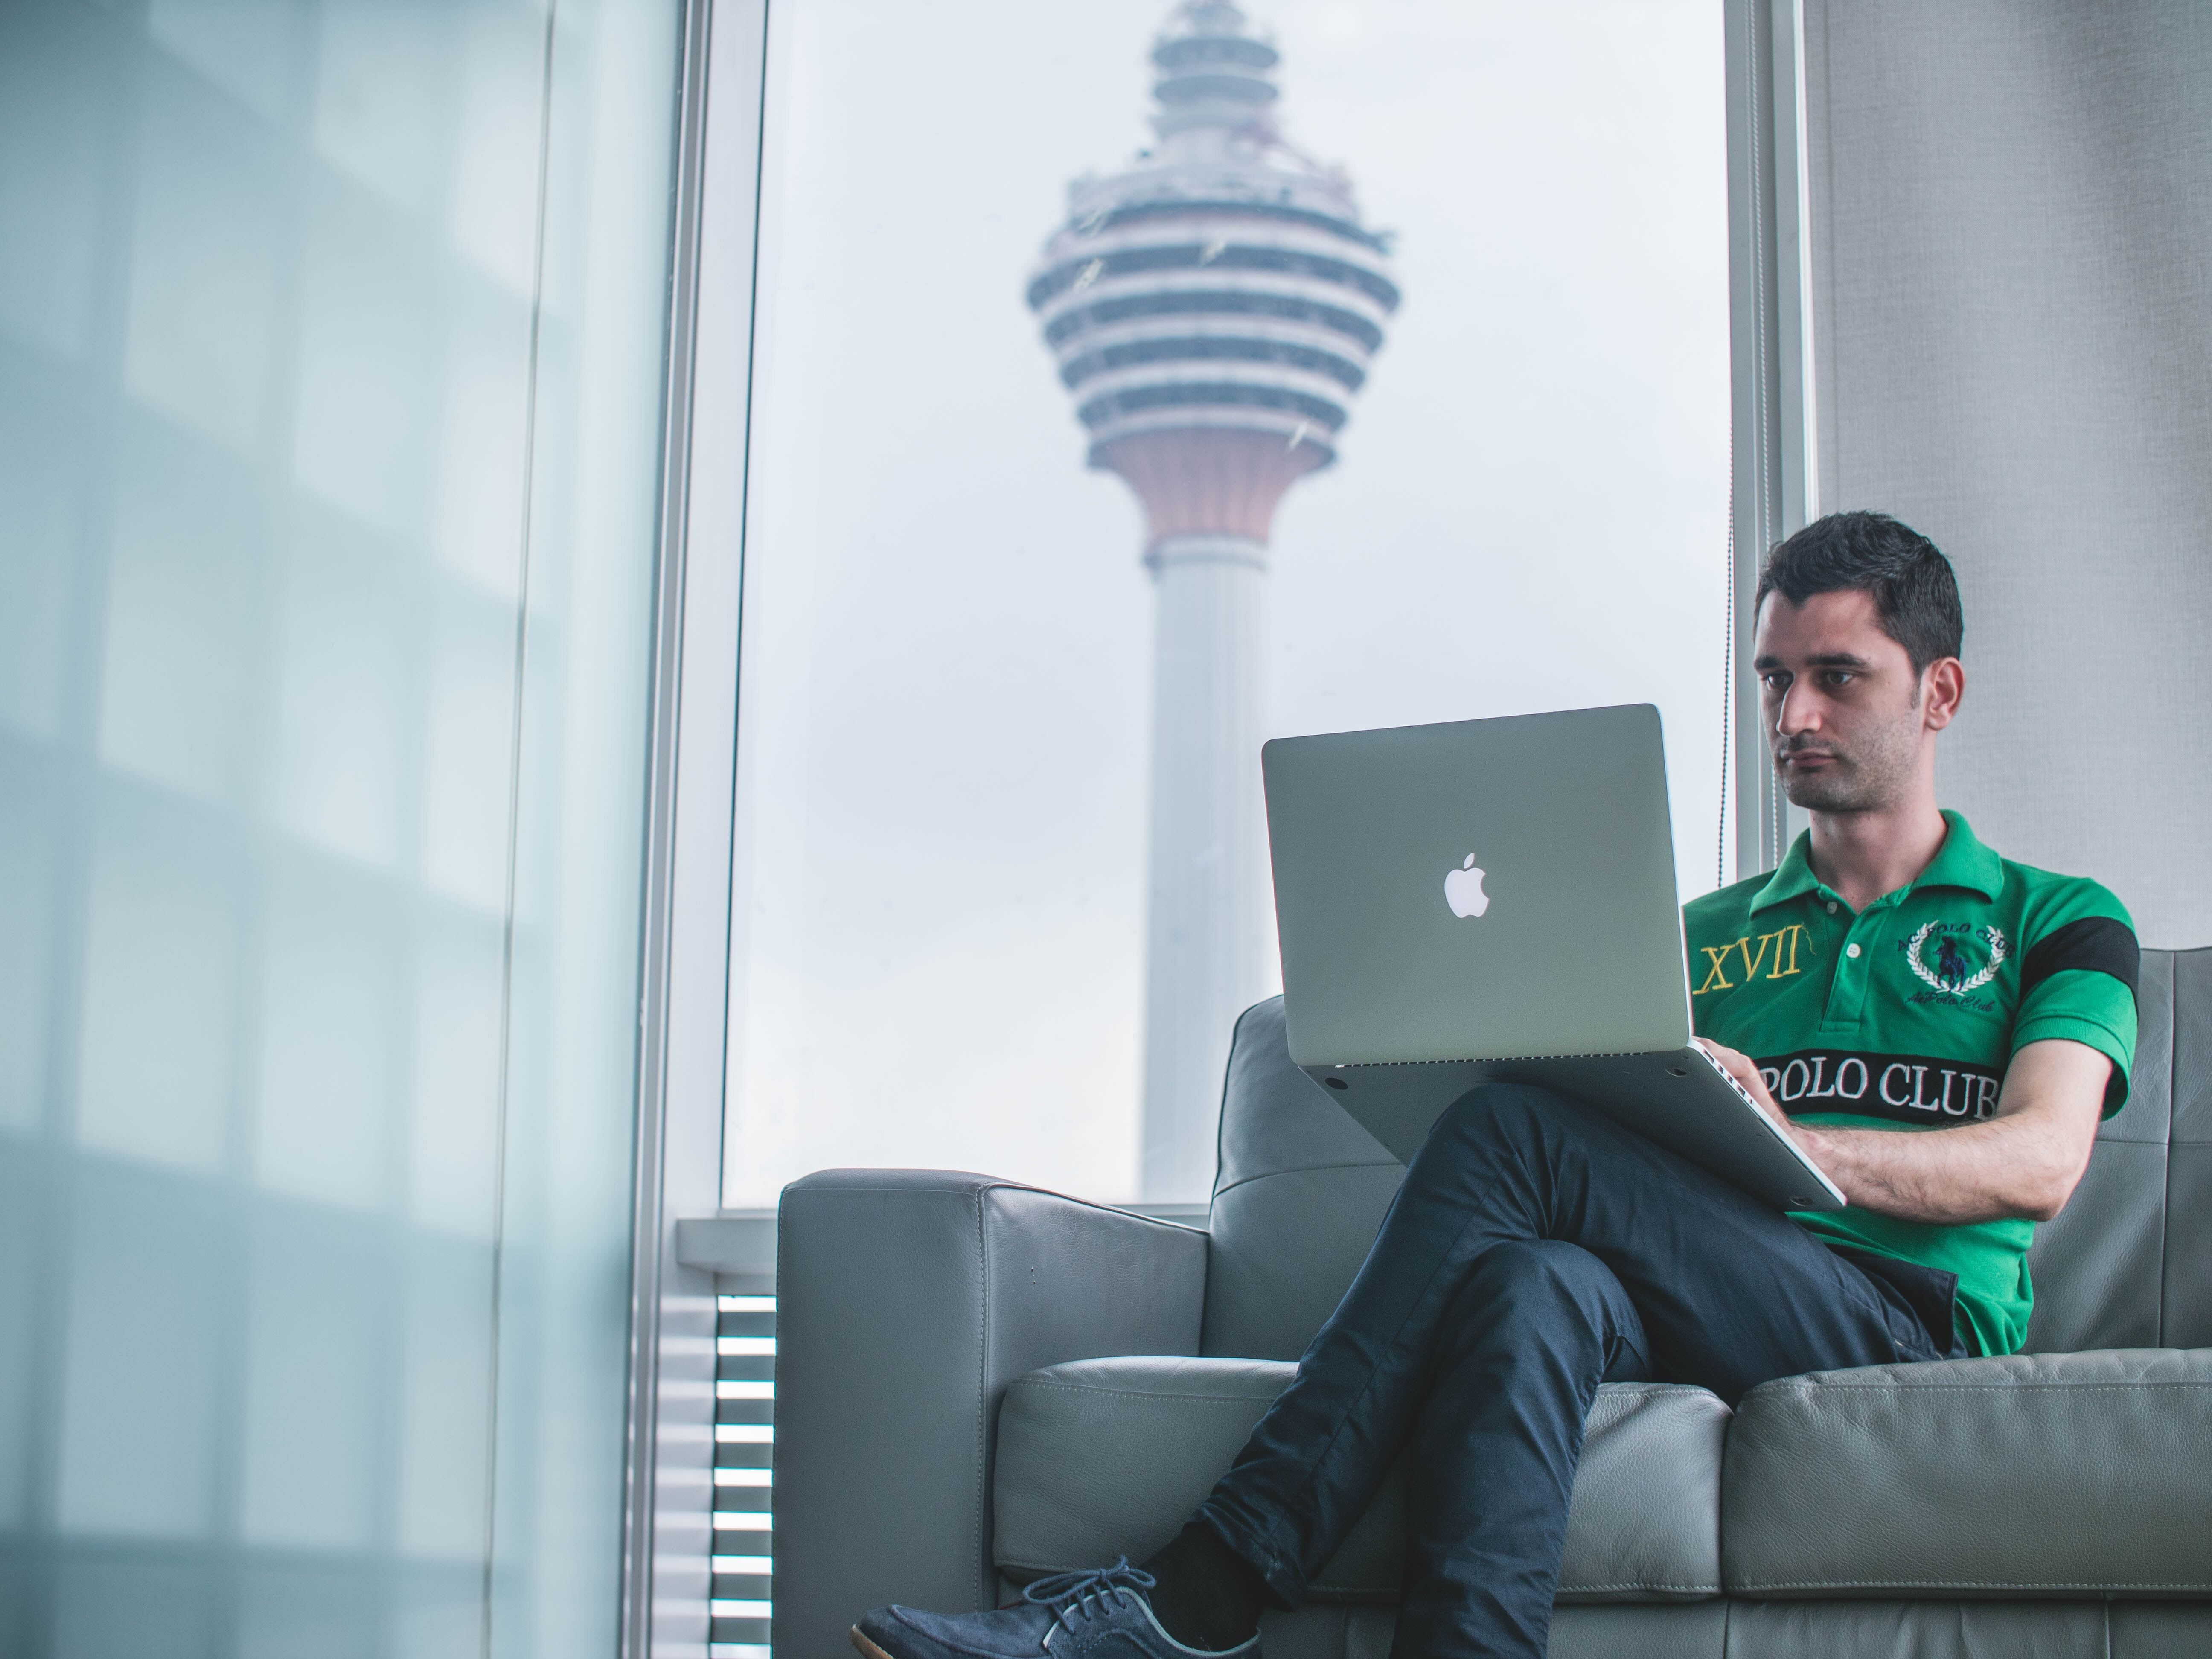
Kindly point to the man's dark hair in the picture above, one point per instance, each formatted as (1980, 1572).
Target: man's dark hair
(1915, 594)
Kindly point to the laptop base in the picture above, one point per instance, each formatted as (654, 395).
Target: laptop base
(1678, 1099)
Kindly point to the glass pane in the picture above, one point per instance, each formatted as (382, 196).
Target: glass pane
(595, 490)
(1136, 383)
(235, 360)
(319, 916)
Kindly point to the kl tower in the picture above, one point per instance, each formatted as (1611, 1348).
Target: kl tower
(1212, 310)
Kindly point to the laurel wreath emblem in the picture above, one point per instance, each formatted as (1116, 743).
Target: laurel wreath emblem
(1996, 943)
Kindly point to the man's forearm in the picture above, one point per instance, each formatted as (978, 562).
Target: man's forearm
(2023, 1162)
(2008, 1166)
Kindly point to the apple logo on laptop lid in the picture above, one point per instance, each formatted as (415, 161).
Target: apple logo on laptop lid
(1463, 890)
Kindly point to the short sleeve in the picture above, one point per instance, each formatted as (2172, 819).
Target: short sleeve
(2078, 983)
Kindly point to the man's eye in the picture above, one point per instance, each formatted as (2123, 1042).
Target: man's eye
(1841, 677)
(1775, 682)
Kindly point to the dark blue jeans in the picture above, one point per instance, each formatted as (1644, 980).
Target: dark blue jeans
(1535, 1250)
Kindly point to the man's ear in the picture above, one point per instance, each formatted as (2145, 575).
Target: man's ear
(1942, 689)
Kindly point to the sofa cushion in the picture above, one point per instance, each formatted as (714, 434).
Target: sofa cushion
(1108, 1458)
(2040, 1475)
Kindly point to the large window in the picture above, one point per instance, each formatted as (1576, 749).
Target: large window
(1001, 709)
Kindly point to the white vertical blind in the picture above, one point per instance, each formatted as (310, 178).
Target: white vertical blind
(744, 1444)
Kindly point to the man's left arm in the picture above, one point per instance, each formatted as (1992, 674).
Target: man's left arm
(2023, 1162)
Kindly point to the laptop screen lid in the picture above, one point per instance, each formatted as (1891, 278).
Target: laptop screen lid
(1481, 890)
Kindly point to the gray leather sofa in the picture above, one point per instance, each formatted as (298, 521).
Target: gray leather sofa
(979, 1382)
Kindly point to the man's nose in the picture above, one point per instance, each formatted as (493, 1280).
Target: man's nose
(1796, 714)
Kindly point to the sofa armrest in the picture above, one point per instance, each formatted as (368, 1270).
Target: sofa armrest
(906, 1302)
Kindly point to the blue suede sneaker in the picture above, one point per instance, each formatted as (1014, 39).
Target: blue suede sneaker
(1073, 1615)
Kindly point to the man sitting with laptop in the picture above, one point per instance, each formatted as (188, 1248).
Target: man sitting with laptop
(1893, 975)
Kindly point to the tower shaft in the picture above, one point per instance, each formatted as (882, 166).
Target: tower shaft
(1209, 923)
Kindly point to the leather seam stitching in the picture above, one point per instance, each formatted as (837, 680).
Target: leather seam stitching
(1323, 1589)
(977, 1192)
(1810, 1390)
(1150, 1394)
(1648, 1391)
(2166, 1198)
(1383, 1163)
(983, 1597)
(1907, 1585)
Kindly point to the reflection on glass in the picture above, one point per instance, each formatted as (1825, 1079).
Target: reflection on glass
(318, 999)
(995, 708)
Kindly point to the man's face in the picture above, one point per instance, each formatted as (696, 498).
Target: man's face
(1845, 716)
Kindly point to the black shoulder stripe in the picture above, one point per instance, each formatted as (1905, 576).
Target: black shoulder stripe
(2099, 944)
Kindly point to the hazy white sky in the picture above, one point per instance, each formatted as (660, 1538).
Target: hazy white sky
(947, 630)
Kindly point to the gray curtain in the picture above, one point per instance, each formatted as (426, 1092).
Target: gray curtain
(2011, 286)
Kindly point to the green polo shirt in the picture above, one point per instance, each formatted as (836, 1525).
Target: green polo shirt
(1905, 1016)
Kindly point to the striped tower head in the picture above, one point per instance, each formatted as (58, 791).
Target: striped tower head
(1214, 308)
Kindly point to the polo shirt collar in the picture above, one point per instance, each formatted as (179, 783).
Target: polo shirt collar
(1793, 877)
(1961, 861)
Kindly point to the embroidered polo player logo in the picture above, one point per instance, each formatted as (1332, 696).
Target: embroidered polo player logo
(1951, 974)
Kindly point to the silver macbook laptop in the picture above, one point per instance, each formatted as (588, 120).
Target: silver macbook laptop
(1495, 899)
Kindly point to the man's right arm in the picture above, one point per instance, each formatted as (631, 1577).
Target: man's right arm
(2024, 1162)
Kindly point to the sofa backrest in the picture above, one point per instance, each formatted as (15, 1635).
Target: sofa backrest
(1300, 1189)
(2128, 1263)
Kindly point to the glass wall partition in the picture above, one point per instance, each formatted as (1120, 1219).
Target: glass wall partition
(1137, 381)
(331, 353)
